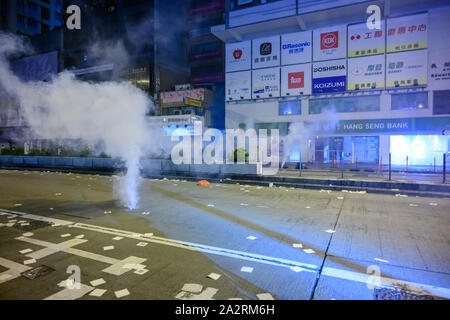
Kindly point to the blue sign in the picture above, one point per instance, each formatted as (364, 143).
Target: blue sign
(329, 84)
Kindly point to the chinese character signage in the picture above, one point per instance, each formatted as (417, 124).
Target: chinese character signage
(266, 52)
(296, 48)
(238, 85)
(266, 83)
(330, 43)
(238, 56)
(329, 76)
(365, 42)
(407, 33)
(296, 80)
(439, 70)
(406, 69)
(366, 73)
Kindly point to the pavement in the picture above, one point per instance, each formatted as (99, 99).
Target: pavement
(261, 242)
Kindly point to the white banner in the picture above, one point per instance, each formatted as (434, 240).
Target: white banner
(407, 33)
(296, 47)
(439, 69)
(266, 83)
(330, 43)
(238, 56)
(366, 73)
(406, 69)
(266, 52)
(238, 85)
(296, 80)
(363, 41)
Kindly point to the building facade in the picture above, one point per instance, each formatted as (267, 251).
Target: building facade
(335, 88)
(207, 54)
(30, 17)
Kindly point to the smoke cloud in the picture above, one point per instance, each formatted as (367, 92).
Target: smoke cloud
(109, 114)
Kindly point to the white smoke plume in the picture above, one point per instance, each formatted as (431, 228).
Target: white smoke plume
(111, 114)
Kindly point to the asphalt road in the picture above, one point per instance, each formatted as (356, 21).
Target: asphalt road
(297, 244)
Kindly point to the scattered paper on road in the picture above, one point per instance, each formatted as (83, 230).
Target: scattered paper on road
(265, 296)
(81, 236)
(297, 269)
(117, 238)
(142, 244)
(28, 234)
(214, 276)
(25, 251)
(30, 261)
(97, 282)
(297, 245)
(192, 287)
(108, 248)
(97, 292)
(122, 293)
(251, 238)
(65, 235)
(330, 231)
(247, 269)
(309, 251)
(381, 260)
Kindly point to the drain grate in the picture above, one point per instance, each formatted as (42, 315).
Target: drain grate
(398, 294)
(37, 272)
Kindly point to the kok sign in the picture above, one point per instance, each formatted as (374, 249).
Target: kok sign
(238, 56)
(296, 80)
(330, 43)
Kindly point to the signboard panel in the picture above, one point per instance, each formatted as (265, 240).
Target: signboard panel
(439, 70)
(266, 52)
(363, 41)
(296, 80)
(238, 56)
(266, 83)
(406, 69)
(407, 33)
(177, 97)
(329, 76)
(366, 73)
(330, 43)
(296, 48)
(238, 85)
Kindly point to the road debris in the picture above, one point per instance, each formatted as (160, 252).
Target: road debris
(247, 269)
(265, 296)
(122, 293)
(251, 238)
(98, 282)
(214, 276)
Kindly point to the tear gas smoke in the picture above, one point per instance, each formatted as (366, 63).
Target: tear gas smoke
(111, 114)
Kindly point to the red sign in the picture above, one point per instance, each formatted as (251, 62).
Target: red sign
(237, 54)
(329, 40)
(296, 80)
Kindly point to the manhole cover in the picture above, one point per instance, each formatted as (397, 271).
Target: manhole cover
(398, 294)
(37, 272)
(33, 225)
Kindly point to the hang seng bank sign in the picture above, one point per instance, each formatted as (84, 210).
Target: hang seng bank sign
(390, 126)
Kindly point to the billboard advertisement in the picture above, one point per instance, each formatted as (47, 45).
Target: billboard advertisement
(329, 76)
(366, 73)
(439, 70)
(296, 80)
(330, 43)
(406, 69)
(266, 52)
(238, 56)
(296, 48)
(363, 41)
(407, 33)
(238, 85)
(266, 83)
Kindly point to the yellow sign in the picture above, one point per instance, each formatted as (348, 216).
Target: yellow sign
(193, 102)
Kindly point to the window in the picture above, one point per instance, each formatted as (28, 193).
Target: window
(409, 101)
(364, 103)
(289, 108)
(441, 102)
